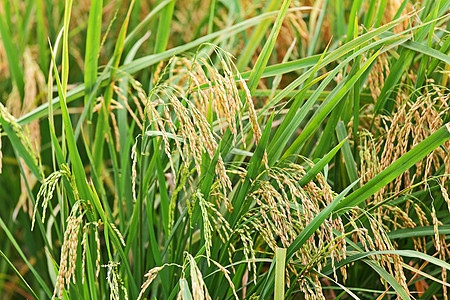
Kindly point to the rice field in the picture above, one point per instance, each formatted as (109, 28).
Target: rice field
(240, 149)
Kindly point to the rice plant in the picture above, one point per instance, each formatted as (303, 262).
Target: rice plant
(211, 149)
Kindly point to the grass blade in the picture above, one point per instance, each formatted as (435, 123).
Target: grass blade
(92, 51)
(320, 165)
(263, 58)
(18, 274)
(350, 164)
(12, 56)
(326, 107)
(257, 36)
(162, 36)
(280, 271)
(40, 280)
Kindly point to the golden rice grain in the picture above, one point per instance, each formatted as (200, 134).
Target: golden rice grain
(151, 275)
(69, 248)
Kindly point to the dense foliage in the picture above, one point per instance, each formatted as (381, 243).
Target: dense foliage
(236, 149)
